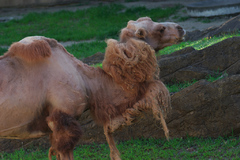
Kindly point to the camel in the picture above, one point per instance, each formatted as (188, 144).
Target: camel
(44, 90)
(157, 35)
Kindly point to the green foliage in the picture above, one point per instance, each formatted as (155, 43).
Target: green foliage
(216, 76)
(179, 86)
(176, 87)
(2, 51)
(104, 21)
(198, 45)
(98, 65)
(83, 50)
(177, 148)
(27, 154)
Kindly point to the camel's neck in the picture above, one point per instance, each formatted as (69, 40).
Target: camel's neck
(98, 81)
(106, 97)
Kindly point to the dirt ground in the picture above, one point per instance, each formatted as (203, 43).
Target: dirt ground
(190, 24)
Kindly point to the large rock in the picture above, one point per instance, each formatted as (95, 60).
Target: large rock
(230, 26)
(189, 64)
(207, 109)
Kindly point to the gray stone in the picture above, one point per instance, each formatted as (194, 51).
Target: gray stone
(189, 64)
(207, 109)
(229, 27)
(209, 8)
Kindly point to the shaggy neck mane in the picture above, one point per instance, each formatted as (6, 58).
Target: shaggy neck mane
(128, 69)
(130, 63)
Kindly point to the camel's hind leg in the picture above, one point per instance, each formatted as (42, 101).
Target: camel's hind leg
(65, 134)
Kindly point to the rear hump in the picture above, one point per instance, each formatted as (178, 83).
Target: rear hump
(36, 50)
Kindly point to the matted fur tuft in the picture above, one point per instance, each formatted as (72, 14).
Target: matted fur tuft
(37, 50)
(66, 131)
(130, 63)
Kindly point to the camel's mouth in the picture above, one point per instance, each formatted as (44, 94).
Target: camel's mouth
(181, 39)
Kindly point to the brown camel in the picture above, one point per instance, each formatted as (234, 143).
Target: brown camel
(157, 35)
(44, 90)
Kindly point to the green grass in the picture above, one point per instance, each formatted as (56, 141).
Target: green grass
(83, 50)
(176, 87)
(2, 51)
(148, 149)
(104, 21)
(198, 45)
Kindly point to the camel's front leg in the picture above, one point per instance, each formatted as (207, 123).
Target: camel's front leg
(157, 99)
(114, 153)
(65, 135)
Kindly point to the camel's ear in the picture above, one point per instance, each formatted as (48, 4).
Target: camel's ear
(126, 34)
(141, 33)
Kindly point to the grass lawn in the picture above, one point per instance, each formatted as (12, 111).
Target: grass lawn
(100, 23)
(198, 45)
(147, 149)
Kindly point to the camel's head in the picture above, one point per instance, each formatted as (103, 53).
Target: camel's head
(130, 63)
(157, 35)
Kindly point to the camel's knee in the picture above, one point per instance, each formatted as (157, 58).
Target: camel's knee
(65, 132)
(114, 124)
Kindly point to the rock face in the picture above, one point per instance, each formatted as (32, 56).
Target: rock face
(207, 109)
(230, 26)
(188, 64)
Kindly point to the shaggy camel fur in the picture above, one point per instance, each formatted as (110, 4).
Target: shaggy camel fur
(44, 90)
(157, 35)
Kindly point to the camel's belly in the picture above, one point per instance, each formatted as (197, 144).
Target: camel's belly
(20, 132)
(15, 121)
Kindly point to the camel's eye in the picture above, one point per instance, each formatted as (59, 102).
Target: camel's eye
(179, 28)
(161, 29)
